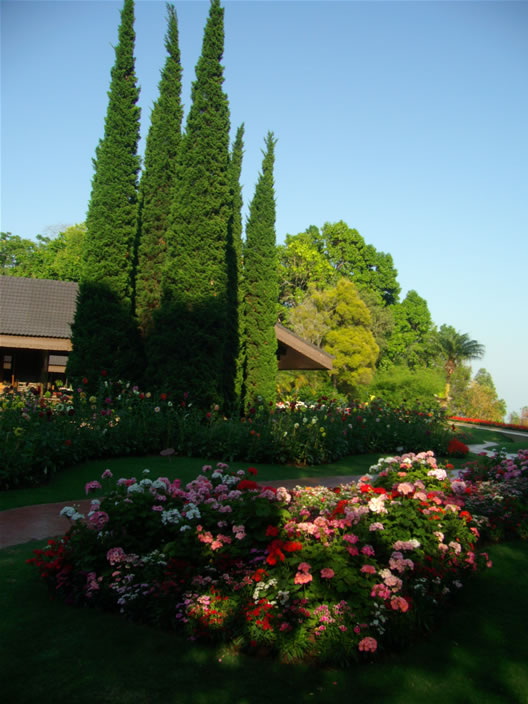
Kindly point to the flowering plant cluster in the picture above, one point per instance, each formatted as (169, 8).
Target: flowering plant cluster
(491, 423)
(327, 574)
(40, 436)
(497, 494)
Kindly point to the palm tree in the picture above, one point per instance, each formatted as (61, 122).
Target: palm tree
(455, 348)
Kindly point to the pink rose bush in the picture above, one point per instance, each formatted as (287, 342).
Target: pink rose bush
(332, 574)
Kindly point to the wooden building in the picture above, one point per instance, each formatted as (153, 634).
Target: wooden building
(35, 330)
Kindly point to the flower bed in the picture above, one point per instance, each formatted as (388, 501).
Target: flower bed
(497, 495)
(490, 423)
(319, 574)
(40, 437)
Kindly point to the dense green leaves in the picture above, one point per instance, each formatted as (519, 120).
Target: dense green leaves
(157, 180)
(261, 286)
(112, 212)
(187, 344)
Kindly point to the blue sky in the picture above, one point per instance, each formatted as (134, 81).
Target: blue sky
(407, 120)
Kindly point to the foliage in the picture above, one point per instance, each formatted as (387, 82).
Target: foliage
(321, 257)
(260, 287)
(46, 258)
(497, 495)
(111, 221)
(236, 328)
(399, 384)
(157, 180)
(301, 264)
(411, 341)
(338, 319)
(480, 401)
(477, 397)
(455, 348)
(327, 575)
(104, 336)
(194, 280)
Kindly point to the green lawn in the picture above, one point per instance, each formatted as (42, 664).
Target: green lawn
(69, 483)
(512, 443)
(54, 653)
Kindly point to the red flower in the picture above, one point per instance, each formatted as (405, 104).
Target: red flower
(272, 531)
(466, 515)
(247, 484)
(104, 372)
(293, 546)
(163, 397)
(85, 380)
(253, 471)
(67, 443)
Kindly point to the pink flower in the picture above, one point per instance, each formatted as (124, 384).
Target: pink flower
(327, 573)
(115, 555)
(405, 488)
(107, 474)
(368, 550)
(98, 519)
(368, 569)
(302, 578)
(368, 644)
(304, 567)
(376, 526)
(398, 603)
(157, 508)
(92, 485)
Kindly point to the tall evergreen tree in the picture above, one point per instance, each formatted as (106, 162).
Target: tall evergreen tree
(157, 180)
(191, 324)
(234, 348)
(111, 220)
(261, 285)
(111, 224)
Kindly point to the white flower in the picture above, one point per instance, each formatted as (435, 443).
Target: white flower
(68, 511)
(171, 516)
(135, 489)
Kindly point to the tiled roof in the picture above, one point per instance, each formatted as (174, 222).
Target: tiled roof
(37, 307)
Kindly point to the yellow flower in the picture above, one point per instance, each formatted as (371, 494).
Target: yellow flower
(18, 432)
(92, 399)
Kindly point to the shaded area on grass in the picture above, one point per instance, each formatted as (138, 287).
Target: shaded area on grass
(477, 655)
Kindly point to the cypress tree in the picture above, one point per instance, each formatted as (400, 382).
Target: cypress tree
(191, 324)
(111, 220)
(261, 286)
(157, 180)
(111, 227)
(234, 352)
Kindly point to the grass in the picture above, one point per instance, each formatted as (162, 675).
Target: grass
(512, 443)
(69, 483)
(52, 652)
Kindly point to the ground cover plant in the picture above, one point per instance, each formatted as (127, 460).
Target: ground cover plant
(328, 575)
(41, 436)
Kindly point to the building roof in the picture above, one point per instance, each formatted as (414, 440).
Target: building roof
(34, 312)
(297, 353)
(37, 307)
